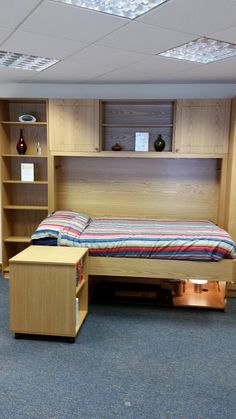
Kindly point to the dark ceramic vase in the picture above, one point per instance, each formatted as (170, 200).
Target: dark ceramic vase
(21, 145)
(159, 144)
(116, 147)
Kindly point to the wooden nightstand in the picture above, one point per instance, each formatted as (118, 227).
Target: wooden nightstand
(48, 291)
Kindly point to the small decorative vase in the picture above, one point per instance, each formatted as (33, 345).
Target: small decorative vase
(116, 147)
(39, 148)
(159, 144)
(21, 145)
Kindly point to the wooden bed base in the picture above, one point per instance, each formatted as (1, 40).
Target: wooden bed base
(224, 270)
(218, 274)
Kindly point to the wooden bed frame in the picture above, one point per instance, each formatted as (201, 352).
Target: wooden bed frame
(224, 270)
(163, 188)
(163, 272)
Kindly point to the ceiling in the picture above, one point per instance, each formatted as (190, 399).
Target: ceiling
(98, 48)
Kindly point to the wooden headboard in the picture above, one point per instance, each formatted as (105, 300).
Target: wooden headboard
(169, 188)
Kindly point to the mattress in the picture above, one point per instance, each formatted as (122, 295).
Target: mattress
(137, 237)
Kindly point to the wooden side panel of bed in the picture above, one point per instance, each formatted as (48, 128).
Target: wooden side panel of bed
(224, 270)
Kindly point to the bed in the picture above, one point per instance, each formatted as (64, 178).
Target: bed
(144, 248)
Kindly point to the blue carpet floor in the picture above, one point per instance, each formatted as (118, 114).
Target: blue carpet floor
(129, 362)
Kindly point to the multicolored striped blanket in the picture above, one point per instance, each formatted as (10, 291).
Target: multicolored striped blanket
(139, 238)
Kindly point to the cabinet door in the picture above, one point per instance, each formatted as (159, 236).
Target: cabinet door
(202, 126)
(74, 125)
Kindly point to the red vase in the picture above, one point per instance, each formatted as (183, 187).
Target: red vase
(21, 145)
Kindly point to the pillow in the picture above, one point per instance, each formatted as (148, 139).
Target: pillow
(77, 223)
(55, 223)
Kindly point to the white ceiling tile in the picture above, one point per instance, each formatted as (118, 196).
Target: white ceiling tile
(191, 16)
(11, 75)
(121, 76)
(152, 69)
(67, 72)
(156, 65)
(106, 58)
(139, 37)
(4, 33)
(41, 45)
(14, 11)
(69, 22)
(227, 35)
(218, 72)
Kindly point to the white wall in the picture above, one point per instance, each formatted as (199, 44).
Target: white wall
(119, 91)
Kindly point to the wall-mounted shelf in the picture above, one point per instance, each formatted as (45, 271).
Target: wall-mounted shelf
(25, 156)
(22, 123)
(17, 239)
(122, 119)
(26, 207)
(141, 155)
(20, 182)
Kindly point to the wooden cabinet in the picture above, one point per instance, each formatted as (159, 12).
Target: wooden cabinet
(122, 119)
(48, 291)
(202, 126)
(24, 203)
(84, 126)
(74, 126)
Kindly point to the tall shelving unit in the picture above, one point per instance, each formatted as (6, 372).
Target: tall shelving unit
(24, 203)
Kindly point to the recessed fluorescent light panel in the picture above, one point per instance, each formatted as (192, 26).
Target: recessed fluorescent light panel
(25, 62)
(202, 50)
(129, 8)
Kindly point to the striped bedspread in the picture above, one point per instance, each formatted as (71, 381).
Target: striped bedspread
(159, 239)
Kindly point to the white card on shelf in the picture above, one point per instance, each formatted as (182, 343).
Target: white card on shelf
(27, 172)
(141, 141)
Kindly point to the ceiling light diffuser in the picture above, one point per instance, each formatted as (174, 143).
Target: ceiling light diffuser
(202, 50)
(25, 62)
(129, 8)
